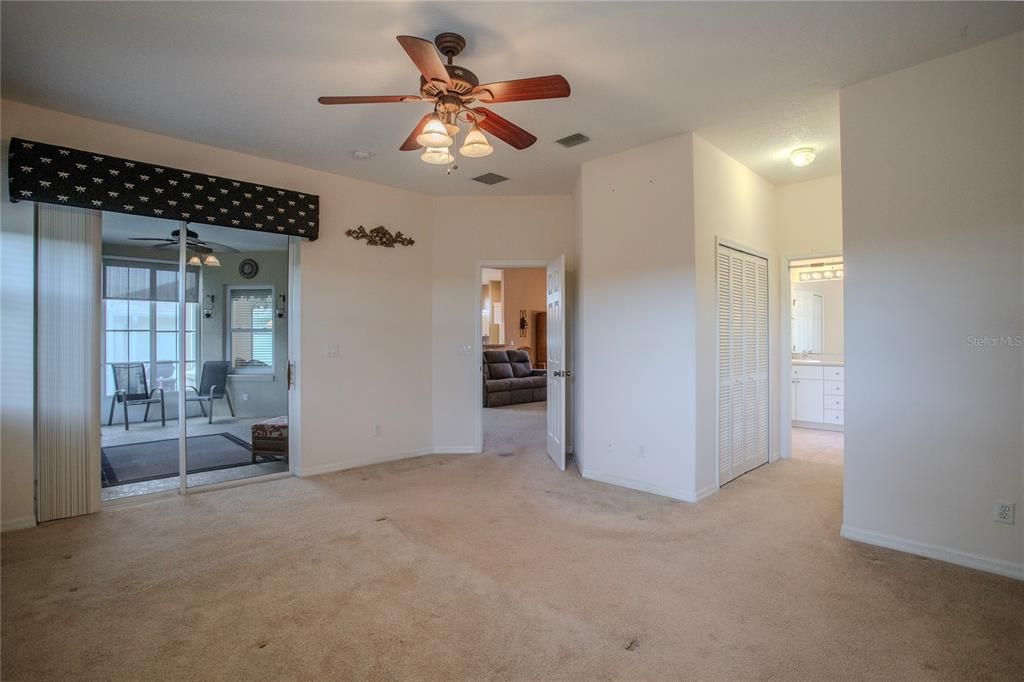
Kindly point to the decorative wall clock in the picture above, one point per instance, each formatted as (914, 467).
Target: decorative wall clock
(248, 268)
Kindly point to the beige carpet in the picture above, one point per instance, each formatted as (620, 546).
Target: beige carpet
(501, 567)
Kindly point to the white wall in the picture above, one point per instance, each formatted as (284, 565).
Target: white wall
(734, 204)
(933, 237)
(355, 296)
(17, 358)
(810, 217)
(635, 423)
(466, 231)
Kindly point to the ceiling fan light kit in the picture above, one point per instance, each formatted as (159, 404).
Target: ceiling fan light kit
(452, 88)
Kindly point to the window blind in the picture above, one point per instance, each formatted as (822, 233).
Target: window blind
(137, 280)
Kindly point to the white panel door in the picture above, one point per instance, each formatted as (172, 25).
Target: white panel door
(557, 371)
(742, 362)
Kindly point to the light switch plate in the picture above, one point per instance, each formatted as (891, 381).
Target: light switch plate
(333, 350)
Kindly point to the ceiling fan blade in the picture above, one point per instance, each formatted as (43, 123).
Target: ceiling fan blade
(214, 246)
(370, 99)
(504, 129)
(541, 87)
(153, 239)
(410, 144)
(424, 55)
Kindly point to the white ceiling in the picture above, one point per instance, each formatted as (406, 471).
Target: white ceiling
(123, 229)
(755, 79)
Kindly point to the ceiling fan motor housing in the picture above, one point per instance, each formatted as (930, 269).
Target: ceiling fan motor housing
(463, 82)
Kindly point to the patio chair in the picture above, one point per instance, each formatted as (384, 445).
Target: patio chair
(213, 385)
(131, 388)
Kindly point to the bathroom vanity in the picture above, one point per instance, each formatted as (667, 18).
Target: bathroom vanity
(817, 394)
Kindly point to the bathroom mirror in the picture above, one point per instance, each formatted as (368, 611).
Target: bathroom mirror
(816, 301)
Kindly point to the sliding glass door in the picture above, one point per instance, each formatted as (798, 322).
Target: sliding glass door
(194, 355)
(238, 404)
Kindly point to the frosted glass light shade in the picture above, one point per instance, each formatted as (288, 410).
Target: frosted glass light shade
(194, 260)
(434, 134)
(439, 156)
(802, 157)
(211, 261)
(476, 144)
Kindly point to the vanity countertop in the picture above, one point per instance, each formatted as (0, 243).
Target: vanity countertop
(818, 363)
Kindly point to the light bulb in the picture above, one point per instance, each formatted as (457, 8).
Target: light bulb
(476, 144)
(438, 156)
(211, 261)
(804, 156)
(434, 134)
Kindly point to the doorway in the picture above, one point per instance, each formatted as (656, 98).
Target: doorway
(194, 356)
(520, 347)
(817, 358)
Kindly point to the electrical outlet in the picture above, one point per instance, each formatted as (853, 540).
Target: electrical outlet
(1005, 512)
(378, 430)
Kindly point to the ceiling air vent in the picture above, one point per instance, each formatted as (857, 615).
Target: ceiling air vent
(490, 178)
(573, 140)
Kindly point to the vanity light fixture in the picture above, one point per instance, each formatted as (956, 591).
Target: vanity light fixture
(803, 156)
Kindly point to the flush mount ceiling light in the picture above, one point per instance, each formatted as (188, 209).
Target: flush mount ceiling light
(452, 88)
(804, 156)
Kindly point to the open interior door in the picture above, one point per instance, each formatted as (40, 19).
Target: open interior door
(557, 372)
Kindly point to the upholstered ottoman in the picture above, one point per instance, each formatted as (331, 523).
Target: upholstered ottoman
(270, 439)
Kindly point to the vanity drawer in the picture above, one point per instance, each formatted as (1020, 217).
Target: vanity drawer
(833, 388)
(835, 373)
(834, 402)
(834, 416)
(805, 372)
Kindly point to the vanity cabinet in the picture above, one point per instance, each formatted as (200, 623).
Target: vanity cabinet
(817, 396)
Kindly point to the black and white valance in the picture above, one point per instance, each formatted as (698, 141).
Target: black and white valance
(61, 175)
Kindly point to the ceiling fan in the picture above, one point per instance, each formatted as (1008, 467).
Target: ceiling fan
(452, 88)
(200, 250)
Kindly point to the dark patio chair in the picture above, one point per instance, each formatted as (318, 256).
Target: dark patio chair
(213, 385)
(131, 388)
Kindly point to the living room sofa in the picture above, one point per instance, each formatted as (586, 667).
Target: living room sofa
(510, 379)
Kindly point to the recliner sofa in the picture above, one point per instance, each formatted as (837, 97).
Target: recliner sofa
(510, 379)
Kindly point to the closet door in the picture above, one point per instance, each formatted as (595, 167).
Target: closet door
(743, 362)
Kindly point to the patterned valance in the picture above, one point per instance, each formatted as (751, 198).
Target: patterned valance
(61, 175)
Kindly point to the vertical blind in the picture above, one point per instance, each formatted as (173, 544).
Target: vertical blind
(68, 368)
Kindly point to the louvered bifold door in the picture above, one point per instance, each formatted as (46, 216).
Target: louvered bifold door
(725, 440)
(67, 361)
(742, 362)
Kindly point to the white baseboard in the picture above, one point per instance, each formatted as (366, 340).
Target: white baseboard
(343, 466)
(20, 523)
(706, 491)
(455, 450)
(643, 486)
(997, 566)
